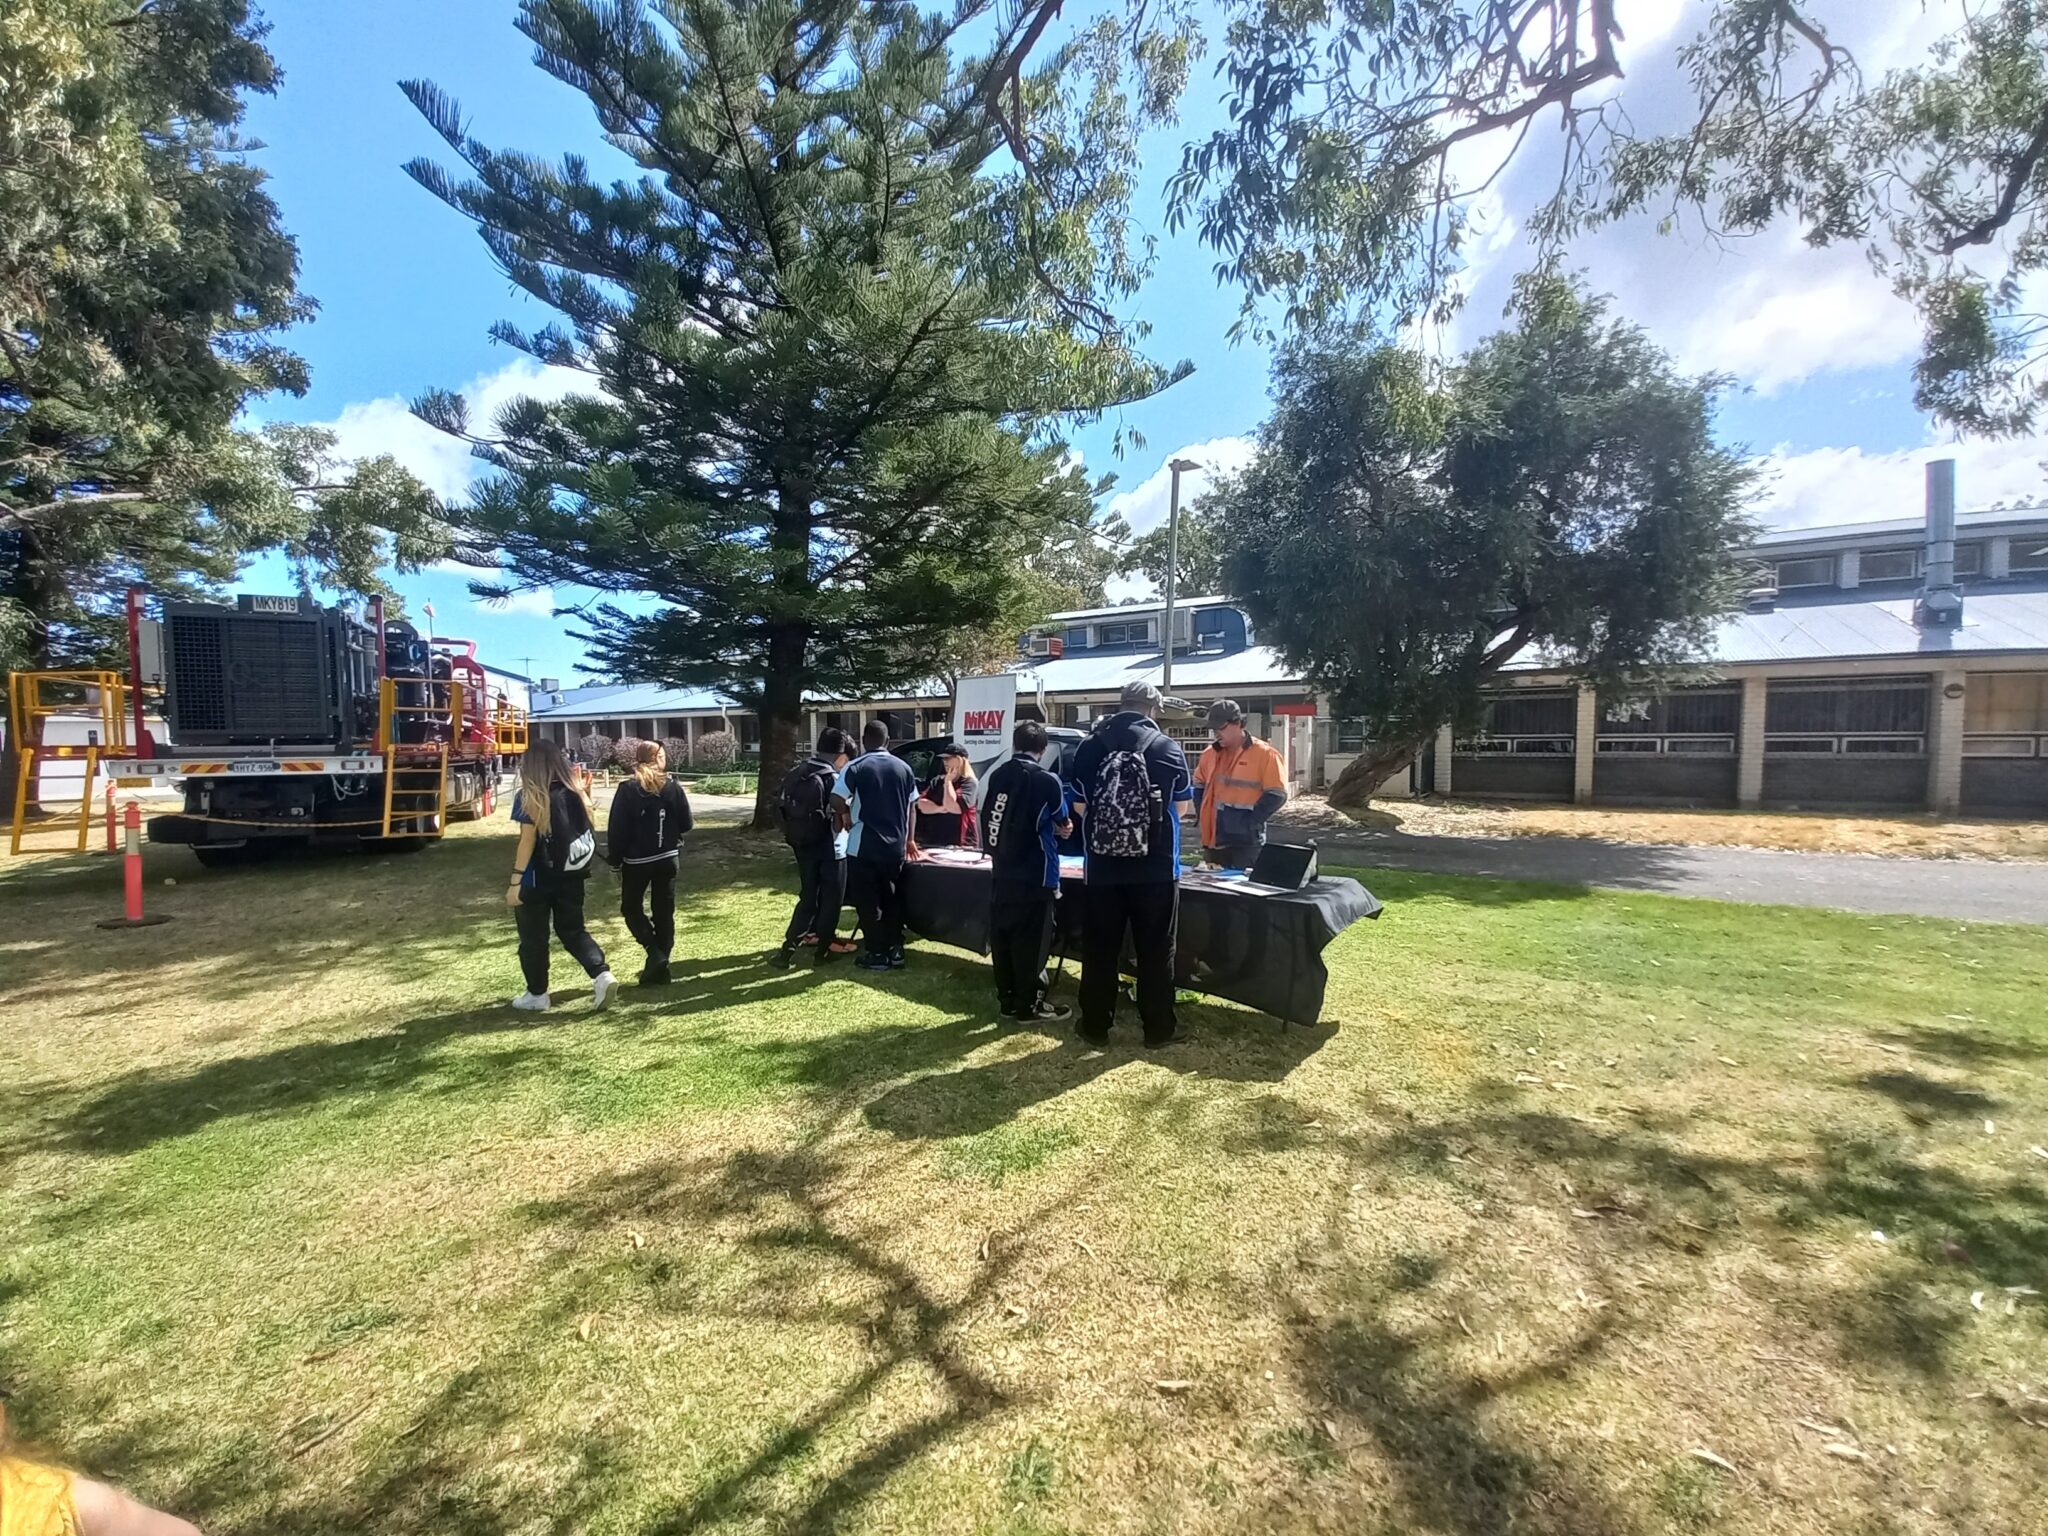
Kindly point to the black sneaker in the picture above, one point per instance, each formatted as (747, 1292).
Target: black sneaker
(875, 963)
(1046, 1013)
(1162, 1041)
(654, 974)
(1099, 1039)
(783, 958)
(896, 958)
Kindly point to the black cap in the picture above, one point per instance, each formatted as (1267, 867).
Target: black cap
(1225, 712)
(952, 749)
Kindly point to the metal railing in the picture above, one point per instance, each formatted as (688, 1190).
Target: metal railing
(34, 699)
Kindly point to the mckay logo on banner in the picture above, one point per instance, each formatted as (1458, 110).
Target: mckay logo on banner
(984, 710)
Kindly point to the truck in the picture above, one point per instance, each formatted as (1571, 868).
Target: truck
(293, 725)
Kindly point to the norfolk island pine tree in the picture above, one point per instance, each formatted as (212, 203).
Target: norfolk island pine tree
(836, 311)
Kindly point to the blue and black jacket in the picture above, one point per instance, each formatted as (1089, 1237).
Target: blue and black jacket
(1022, 803)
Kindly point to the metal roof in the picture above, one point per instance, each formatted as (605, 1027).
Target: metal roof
(1257, 666)
(1143, 605)
(1996, 620)
(1902, 527)
(1851, 628)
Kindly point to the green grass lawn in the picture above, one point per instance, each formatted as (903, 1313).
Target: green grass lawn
(302, 1230)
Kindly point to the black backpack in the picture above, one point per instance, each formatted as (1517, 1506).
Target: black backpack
(660, 820)
(571, 842)
(806, 821)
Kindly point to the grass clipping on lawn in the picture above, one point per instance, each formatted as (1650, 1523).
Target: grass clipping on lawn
(1584, 1214)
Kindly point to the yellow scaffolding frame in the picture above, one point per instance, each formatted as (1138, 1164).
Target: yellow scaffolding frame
(416, 761)
(31, 705)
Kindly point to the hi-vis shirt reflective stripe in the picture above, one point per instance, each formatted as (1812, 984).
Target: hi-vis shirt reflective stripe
(1236, 779)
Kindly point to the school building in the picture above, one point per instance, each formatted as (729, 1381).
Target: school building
(1870, 670)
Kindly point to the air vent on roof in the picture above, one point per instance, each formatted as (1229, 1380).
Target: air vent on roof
(1763, 597)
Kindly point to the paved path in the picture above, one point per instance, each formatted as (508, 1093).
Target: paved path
(1963, 888)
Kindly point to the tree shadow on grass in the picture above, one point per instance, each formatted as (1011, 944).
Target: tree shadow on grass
(1964, 1047)
(816, 1264)
(1925, 1098)
(1232, 1045)
(1649, 1190)
(142, 1107)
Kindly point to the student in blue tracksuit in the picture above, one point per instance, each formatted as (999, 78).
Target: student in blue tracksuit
(1129, 781)
(1025, 811)
(872, 797)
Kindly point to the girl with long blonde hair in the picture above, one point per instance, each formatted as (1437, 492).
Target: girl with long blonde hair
(644, 843)
(557, 842)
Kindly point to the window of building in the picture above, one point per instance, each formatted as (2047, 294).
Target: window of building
(1879, 565)
(1531, 724)
(2006, 715)
(1699, 721)
(1812, 571)
(1351, 734)
(1883, 714)
(1969, 559)
(2029, 555)
(1130, 632)
(1077, 638)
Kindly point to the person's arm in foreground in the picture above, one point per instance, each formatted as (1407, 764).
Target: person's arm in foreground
(104, 1511)
(522, 857)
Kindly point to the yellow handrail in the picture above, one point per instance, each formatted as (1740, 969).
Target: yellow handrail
(34, 699)
(389, 710)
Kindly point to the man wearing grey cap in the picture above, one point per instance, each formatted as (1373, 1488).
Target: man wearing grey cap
(1239, 783)
(1129, 780)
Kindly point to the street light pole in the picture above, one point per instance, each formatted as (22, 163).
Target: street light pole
(1178, 466)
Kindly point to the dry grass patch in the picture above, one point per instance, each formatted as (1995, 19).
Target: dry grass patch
(308, 1233)
(1904, 836)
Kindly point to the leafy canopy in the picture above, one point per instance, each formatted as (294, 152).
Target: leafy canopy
(1402, 535)
(831, 328)
(144, 279)
(1361, 130)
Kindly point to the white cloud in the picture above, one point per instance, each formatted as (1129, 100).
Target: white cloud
(387, 425)
(1847, 485)
(1770, 310)
(1145, 505)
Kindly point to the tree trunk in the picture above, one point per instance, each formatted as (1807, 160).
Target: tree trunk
(32, 587)
(1369, 770)
(782, 724)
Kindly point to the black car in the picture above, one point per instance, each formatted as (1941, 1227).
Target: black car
(923, 754)
(923, 757)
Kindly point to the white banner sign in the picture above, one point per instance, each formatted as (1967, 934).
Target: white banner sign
(984, 711)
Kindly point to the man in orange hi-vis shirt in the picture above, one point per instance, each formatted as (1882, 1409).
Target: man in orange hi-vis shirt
(1239, 784)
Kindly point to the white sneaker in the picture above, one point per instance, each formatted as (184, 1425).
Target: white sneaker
(602, 988)
(532, 1002)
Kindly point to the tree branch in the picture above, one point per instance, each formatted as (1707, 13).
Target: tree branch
(23, 517)
(2022, 172)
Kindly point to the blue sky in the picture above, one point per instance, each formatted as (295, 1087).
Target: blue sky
(407, 292)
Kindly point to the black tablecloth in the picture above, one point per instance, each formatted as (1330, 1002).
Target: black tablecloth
(1262, 948)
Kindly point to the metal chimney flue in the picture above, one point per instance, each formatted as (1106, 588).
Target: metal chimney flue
(1941, 602)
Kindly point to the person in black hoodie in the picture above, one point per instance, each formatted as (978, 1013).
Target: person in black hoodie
(819, 846)
(1129, 780)
(644, 842)
(1024, 814)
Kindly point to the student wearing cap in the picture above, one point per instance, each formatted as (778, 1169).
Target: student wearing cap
(1129, 780)
(945, 806)
(1239, 784)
